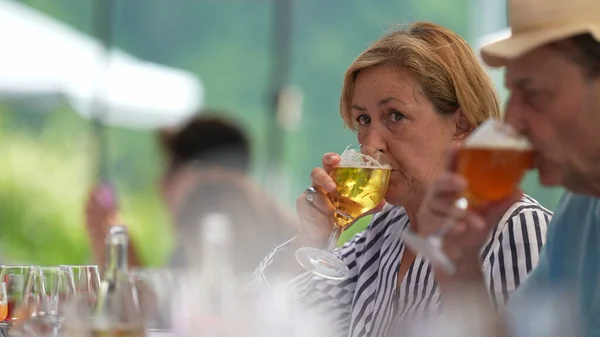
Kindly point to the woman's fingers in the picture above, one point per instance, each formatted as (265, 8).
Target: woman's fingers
(322, 181)
(330, 160)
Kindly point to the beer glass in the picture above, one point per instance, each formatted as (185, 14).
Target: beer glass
(493, 160)
(361, 182)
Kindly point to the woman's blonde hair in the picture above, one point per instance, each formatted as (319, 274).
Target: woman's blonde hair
(446, 68)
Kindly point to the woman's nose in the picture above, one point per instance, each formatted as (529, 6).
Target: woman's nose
(373, 142)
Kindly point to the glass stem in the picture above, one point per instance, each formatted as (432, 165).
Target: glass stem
(444, 229)
(333, 238)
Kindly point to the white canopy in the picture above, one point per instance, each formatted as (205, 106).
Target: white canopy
(41, 56)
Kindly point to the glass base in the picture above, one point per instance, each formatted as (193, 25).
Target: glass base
(431, 248)
(322, 263)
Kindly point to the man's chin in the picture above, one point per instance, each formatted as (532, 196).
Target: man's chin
(549, 182)
(549, 178)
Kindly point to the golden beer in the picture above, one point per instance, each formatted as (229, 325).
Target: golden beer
(492, 173)
(359, 190)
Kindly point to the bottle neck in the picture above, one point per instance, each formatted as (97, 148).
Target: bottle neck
(116, 299)
(215, 256)
(116, 256)
(116, 249)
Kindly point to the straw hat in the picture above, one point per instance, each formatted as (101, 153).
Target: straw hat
(535, 23)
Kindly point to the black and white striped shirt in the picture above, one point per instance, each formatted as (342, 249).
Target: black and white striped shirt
(369, 300)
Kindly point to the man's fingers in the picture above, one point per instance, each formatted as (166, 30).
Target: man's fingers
(448, 184)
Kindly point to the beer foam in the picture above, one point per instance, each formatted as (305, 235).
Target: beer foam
(497, 135)
(351, 158)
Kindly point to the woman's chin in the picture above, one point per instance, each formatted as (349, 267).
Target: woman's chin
(394, 196)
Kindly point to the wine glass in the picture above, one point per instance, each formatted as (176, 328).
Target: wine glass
(53, 288)
(47, 288)
(3, 301)
(493, 160)
(155, 288)
(361, 182)
(4, 326)
(84, 281)
(13, 276)
(40, 312)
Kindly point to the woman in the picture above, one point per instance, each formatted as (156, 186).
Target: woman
(207, 163)
(412, 95)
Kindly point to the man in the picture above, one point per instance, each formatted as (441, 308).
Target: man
(552, 65)
(207, 170)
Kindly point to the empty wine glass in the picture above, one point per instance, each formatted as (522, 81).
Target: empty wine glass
(155, 288)
(361, 182)
(84, 281)
(44, 293)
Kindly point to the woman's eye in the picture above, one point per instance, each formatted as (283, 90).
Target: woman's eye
(395, 116)
(363, 120)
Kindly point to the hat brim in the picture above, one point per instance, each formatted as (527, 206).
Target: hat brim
(499, 53)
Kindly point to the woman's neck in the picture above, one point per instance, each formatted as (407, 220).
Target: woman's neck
(412, 219)
(411, 205)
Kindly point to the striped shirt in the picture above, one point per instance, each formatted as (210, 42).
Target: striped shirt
(369, 301)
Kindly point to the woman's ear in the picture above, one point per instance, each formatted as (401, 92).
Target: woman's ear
(463, 126)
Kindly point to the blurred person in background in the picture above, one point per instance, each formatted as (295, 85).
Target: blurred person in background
(412, 95)
(207, 164)
(552, 65)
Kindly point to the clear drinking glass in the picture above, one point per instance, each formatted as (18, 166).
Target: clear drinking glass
(155, 288)
(41, 310)
(493, 160)
(361, 182)
(53, 289)
(13, 277)
(84, 281)
(79, 317)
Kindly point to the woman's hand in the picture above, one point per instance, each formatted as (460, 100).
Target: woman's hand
(316, 216)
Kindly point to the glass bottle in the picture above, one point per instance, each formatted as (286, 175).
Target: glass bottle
(117, 312)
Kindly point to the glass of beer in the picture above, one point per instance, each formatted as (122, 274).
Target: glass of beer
(493, 160)
(361, 182)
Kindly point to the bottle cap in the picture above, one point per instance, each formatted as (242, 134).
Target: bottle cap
(215, 228)
(117, 234)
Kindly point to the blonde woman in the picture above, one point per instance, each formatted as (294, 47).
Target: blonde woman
(412, 95)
